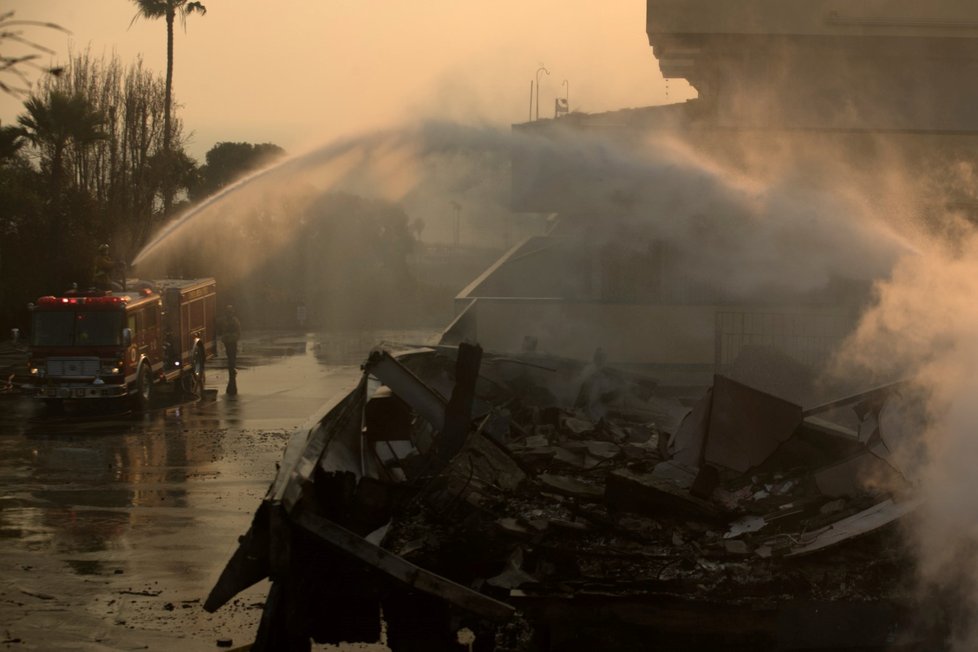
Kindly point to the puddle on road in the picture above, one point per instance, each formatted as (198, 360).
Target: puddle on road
(86, 566)
(120, 522)
(109, 482)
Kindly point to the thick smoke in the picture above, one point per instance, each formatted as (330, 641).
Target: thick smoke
(753, 233)
(754, 236)
(896, 206)
(922, 327)
(762, 219)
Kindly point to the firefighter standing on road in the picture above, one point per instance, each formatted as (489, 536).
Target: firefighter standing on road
(230, 333)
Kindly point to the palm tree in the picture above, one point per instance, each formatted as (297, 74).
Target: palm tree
(168, 9)
(51, 124)
(54, 122)
(11, 140)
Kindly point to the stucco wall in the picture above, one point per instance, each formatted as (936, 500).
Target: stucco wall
(675, 335)
(812, 17)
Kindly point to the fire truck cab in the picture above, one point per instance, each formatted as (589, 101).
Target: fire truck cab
(97, 344)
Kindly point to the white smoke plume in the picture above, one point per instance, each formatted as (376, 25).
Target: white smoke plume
(762, 220)
(923, 327)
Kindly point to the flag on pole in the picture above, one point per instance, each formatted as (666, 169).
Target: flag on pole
(560, 106)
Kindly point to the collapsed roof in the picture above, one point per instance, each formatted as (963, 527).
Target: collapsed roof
(531, 500)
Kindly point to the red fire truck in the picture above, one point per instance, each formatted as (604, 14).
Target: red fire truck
(98, 344)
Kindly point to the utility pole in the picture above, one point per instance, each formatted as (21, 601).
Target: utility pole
(530, 118)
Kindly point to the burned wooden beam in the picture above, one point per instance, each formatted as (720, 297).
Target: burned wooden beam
(299, 466)
(249, 565)
(458, 412)
(427, 402)
(404, 571)
(647, 494)
(831, 429)
(866, 521)
(479, 470)
(452, 418)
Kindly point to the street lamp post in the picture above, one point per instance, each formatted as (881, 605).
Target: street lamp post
(543, 69)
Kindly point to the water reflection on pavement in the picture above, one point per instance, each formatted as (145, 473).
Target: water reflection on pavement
(113, 527)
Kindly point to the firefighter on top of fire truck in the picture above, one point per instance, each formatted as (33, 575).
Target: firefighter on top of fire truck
(104, 267)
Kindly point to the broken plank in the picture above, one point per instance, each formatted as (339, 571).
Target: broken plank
(645, 493)
(248, 565)
(852, 399)
(401, 569)
(866, 521)
(570, 487)
(831, 429)
(408, 387)
(458, 410)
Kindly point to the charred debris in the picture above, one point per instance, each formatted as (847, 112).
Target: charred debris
(546, 505)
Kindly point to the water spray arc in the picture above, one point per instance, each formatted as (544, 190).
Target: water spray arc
(765, 234)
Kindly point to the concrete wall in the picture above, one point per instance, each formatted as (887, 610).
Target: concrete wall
(669, 335)
(824, 64)
(952, 18)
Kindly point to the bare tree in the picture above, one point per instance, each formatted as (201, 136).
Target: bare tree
(128, 173)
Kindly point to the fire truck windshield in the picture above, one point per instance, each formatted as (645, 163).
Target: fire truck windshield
(71, 328)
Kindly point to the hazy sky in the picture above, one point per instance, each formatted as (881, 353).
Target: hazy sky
(301, 72)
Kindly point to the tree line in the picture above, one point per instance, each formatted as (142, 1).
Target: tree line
(88, 162)
(99, 156)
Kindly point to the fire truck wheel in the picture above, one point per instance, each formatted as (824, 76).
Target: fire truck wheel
(144, 388)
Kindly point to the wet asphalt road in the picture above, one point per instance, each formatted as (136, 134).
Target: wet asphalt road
(113, 527)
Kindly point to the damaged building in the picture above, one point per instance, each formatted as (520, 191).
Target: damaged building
(541, 504)
(636, 455)
(828, 89)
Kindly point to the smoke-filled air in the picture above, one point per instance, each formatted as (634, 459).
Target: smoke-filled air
(818, 196)
(336, 228)
(920, 327)
(767, 221)
(324, 223)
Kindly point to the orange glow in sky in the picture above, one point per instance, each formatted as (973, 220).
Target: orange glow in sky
(302, 72)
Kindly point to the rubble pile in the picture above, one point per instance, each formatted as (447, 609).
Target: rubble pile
(534, 494)
(723, 503)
